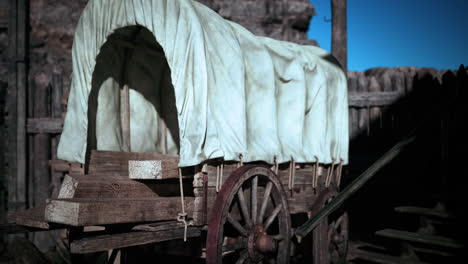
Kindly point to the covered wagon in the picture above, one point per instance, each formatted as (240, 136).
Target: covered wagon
(169, 101)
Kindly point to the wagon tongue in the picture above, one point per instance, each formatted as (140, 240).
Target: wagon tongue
(334, 204)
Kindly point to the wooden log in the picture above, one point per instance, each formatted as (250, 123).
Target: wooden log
(85, 212)
(48, 125)
(116, 162)
(109, 186)
(106, 242)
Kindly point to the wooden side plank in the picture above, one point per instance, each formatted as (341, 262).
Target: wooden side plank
(122, 240)
(49, 125)
(116, 162)
(32, 218)
(115, 187)
(85, 212)
(153, 169)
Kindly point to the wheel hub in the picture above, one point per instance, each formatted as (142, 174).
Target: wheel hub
(259, 243)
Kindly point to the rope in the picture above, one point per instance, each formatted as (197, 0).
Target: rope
(292, 173)
(330, 173)
(338, 176)
(182, 217)
(315, 175)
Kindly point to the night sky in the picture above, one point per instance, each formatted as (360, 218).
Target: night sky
(389, 33)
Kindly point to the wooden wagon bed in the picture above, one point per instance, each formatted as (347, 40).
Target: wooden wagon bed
(107, 196)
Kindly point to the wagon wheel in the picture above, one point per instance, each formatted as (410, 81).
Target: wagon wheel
(249, 221)
(338, 239)
(330, 237)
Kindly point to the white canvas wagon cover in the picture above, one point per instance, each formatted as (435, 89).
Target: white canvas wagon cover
(235, 93)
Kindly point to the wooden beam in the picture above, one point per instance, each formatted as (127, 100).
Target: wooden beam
(153, 169)
(110, 186)
(116, 162)
(111, 241)
(353, 187)
(56, 112)
(365, 99)
(86, 212)
(32, 218)
(48, 125)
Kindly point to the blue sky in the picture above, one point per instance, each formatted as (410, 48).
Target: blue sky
(389, 33)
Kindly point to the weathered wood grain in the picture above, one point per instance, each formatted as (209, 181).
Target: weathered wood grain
(85, 212)
(154, 169)
(110, 186)
(367, 99)
(111, 241)
(116, 162)
(48, 125)
(56, 112)
(32, 218)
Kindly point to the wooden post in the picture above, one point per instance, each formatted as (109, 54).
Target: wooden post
(339, 45)
(56, 109)
(125, 118)
(363, 83)
(353, 111)
(17, 105)
(41, 174)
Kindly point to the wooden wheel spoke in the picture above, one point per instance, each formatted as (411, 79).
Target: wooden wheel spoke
(266, 197)
(253, 198)
(273, 215)
(243, 257)
(338, 222)
(237, 232)
(243, 205)
(235, 246)
(278, 237)
(237, 225)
